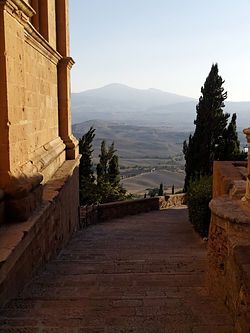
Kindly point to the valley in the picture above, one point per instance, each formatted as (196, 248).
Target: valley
(148, 128)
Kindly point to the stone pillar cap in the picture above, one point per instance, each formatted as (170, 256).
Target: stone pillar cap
(246, 131)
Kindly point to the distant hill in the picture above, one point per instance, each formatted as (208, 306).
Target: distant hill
(137, 145)
(150, 107)
(140, 183)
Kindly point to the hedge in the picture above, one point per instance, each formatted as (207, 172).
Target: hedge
(199, 196)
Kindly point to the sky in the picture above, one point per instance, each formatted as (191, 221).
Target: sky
(163, 44)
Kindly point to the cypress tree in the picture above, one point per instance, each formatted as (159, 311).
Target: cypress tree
(105, 156)
(86, 175)
(202, 147)
(101, 168)
(114, 171)
(229, 150)
(161, 192)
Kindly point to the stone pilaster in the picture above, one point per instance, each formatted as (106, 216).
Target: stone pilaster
(247, 195)
(64, 93)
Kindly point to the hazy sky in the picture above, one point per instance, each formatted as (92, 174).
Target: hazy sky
(165, 44)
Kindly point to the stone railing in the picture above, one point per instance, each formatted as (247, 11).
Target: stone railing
(131, 207)
(104, 212)
(99, 213)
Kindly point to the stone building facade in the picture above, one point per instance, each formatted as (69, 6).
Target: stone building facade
(38, 154)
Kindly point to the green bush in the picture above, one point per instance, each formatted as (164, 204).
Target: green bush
(199, 196)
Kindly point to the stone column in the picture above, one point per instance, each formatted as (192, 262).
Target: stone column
(64, 67)
(247, 195)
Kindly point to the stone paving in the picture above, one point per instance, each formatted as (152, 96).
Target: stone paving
(143, 273)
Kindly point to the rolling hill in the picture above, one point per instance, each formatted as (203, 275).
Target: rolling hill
(136, 145)
(140, 183)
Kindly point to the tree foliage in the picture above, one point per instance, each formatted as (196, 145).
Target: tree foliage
(114, 171)
(108, 175)
(161, 191)
(205, 145)
(229, 149)
(199, 196)
(105, 187)
(86, 175)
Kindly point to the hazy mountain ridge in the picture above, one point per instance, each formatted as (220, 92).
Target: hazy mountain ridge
(150, 107)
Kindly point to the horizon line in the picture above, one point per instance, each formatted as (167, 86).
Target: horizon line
(153, 88)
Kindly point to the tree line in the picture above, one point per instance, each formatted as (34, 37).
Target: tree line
(103, 184)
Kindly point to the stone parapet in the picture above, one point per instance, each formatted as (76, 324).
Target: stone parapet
(105, 212)
(27, 246)
(229, 242)
(119, 209)
(227, 176)
(173, 200)
(99, 213)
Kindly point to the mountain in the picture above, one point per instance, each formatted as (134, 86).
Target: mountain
(148, 107)
(121, 93)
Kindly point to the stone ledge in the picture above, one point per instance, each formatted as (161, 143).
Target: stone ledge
(226, 174)
(25, 246)
(234, 211)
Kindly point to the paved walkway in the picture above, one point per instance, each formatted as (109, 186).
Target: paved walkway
(143, 273)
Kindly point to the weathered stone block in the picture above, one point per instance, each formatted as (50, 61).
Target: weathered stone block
(20, 209)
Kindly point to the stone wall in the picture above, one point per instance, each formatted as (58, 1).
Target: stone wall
(25, 247)
(35, 127)
(118, 209)
(99, 213)
(39, 157)
(229, 242)
(173, 200)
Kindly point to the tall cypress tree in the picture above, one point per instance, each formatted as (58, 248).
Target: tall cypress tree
(86, 175)
(201, 149)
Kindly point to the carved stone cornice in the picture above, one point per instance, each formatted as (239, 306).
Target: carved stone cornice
(36, 40)
(18, 8)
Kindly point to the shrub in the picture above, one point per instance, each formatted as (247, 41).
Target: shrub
(199, 196)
